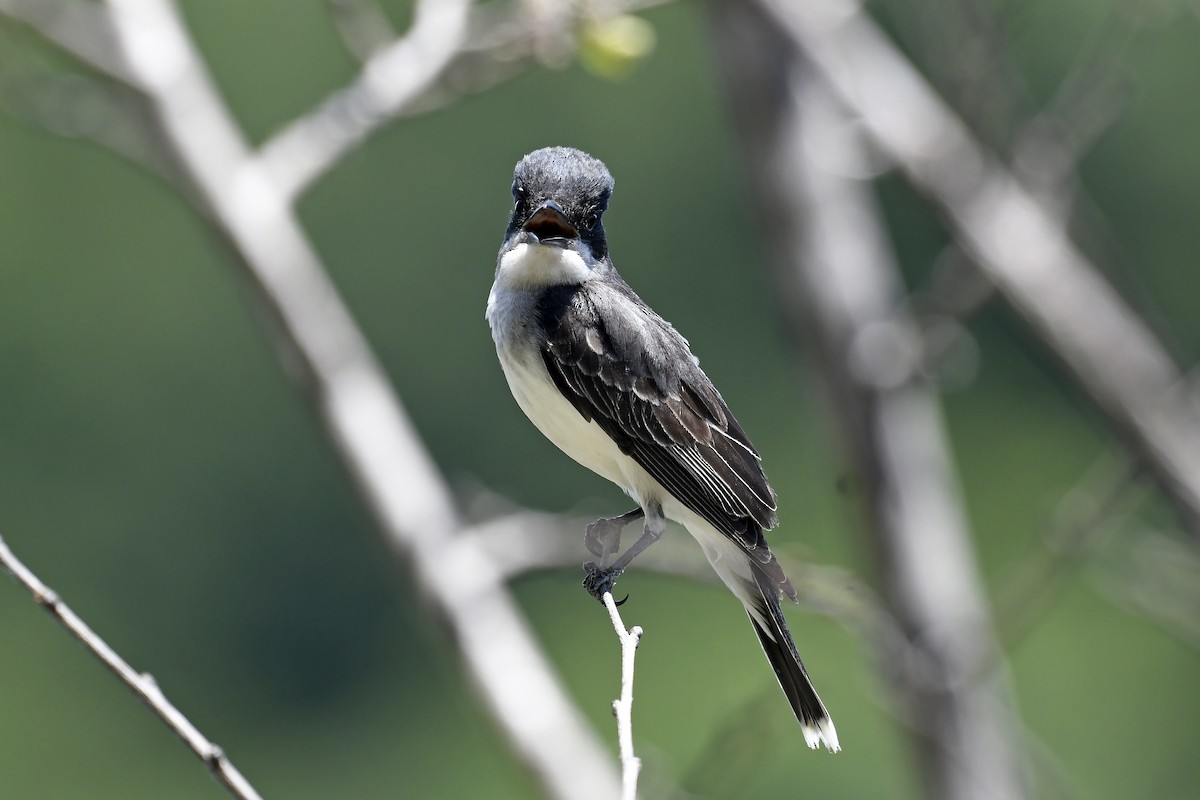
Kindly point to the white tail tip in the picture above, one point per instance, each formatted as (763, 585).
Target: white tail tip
(823, 734)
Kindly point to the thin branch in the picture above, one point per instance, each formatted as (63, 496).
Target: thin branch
(390, 80)
(141, 684)
(1158, 578)
(453, 48)
(1019, 245)
(1049, 148)
(1028, 588)
(631, 765)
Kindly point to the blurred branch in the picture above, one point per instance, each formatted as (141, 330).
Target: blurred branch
(834, 270)
(1019, 245)
(390, 80)
(631, 765)
(1046, 149)
(451, 48)
(960, 44)
(1157, 578)
(141, 684)
(1028, 588)
(364, 27)
(83, 30)
(519, 542)
(1049, 148)
(80, 106)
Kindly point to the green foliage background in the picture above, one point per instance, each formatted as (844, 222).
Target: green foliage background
(158, 469)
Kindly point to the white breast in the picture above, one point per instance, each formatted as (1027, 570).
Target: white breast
(563, 425)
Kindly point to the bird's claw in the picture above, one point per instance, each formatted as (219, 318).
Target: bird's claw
(599, 580)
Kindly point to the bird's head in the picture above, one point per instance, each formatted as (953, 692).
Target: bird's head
(559, 197)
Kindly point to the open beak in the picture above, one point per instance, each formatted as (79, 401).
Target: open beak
(550, 225)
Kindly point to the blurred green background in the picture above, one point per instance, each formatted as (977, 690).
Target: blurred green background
(160, 472)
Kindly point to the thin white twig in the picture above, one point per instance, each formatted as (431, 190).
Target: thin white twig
(142, 684)
(631, 765)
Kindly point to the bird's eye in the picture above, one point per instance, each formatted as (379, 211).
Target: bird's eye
(590, 219)
(518, 192)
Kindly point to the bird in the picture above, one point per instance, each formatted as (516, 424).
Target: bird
(617, 388)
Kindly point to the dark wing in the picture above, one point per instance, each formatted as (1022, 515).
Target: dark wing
(625, 368)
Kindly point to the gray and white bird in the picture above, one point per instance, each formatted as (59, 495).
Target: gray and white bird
(616, 388)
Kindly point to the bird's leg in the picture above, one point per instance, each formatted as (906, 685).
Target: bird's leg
(603, 537)
(600, 579)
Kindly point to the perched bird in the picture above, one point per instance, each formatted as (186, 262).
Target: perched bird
(616, 388)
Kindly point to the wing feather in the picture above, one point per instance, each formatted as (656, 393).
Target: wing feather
(624, 367)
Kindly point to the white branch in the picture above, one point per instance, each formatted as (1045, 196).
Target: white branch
(453, 47)
(631, 765)
(142, 684)
(1016, 241)
(391, 79)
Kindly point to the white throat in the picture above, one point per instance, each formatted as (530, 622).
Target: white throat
(536, 266)
(521, 274)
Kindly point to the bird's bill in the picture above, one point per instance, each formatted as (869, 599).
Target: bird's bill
(550, 225)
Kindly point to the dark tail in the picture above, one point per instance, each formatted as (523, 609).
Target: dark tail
(777, 643)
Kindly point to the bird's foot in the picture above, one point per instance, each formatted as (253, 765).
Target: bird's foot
(599, 580)
(602, 538)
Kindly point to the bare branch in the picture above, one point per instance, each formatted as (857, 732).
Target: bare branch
(83, 30)
(631, 765)
(453, 48)
(363, 26)
(81, 106)
(358, 408)
(1046, 151)
(833, 270)
(1086, 515)
(1049, 148)
(1158, 578)
(142, 684)
(391, 79)
(1019, 245)
(518, 542)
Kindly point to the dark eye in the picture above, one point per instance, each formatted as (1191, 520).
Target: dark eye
(518, 192)
(590, 219)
